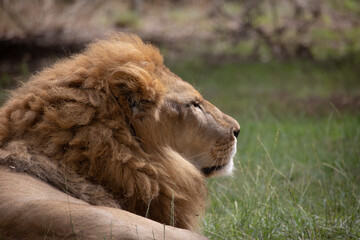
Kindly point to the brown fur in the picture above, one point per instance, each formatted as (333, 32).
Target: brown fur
(114, 127)
(66, 127)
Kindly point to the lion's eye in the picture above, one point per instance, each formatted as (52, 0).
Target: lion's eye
(196, 104)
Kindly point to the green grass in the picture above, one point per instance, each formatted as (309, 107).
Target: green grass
(297, 173)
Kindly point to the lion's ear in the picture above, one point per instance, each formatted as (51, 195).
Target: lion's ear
(136, 89)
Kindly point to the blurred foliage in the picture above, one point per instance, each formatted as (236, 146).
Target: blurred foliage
(293, 28)
(127, 19)
(257, 29)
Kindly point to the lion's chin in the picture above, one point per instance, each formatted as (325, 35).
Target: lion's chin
(224, 169)
(219, 170)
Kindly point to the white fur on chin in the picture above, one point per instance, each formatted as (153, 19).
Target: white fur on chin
(228, 169)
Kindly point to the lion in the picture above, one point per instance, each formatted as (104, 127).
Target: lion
(107, 141)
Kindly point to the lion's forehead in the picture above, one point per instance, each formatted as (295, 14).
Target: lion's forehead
(179, 89)
(182, 92)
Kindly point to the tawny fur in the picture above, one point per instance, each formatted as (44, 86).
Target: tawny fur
(70, 125)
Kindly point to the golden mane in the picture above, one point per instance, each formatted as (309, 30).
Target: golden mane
(70, 125)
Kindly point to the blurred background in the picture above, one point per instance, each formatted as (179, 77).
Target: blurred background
(287, 70)
(257, 30)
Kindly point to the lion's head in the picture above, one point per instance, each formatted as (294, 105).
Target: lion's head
(189, 124)
(114, 115)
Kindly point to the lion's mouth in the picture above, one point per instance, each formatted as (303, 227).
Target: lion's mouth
(209, 170)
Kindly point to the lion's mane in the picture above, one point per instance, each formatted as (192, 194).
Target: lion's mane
(70, 125)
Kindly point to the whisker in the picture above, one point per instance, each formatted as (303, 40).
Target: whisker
(213, 163)
(197, 155)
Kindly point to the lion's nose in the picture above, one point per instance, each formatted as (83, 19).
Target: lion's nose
(236, 132)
